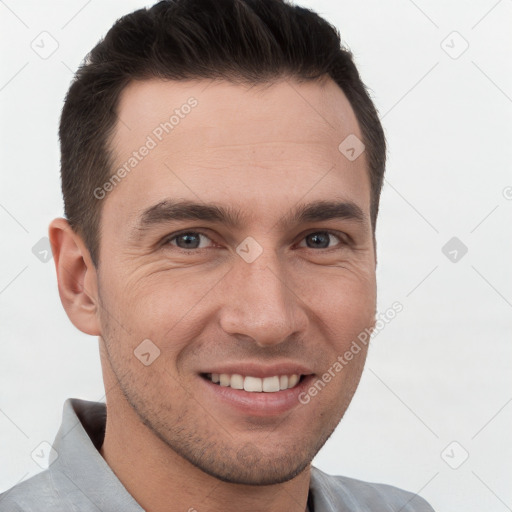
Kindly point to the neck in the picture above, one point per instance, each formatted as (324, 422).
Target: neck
(160, 480)
(157, 477)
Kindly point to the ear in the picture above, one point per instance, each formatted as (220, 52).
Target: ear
(76, 276)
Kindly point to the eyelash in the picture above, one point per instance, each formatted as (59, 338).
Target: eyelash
(338, 234)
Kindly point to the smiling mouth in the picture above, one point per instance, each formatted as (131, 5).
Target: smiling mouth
(255, 384)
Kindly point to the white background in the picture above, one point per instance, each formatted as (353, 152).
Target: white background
(440, 371)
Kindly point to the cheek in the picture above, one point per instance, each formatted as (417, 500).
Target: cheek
(172, 306)
(165, 306)
(345, 312)
(340, 297)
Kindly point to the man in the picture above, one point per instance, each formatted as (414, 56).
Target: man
(221, 170)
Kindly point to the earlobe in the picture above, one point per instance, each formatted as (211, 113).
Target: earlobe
(76, 276)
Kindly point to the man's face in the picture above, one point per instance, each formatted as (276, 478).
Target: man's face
(266, 296)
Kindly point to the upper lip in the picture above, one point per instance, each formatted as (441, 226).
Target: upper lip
(259, 370)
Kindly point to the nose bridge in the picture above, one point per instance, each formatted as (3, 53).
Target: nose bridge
(259, 302)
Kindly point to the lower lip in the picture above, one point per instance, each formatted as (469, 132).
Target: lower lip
(258, 404)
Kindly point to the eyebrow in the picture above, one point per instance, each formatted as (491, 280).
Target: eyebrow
(170, 210)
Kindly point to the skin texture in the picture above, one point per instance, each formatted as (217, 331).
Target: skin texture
(260, 150)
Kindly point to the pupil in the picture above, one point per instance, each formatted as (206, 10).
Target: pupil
(189, 239)
(318, 237)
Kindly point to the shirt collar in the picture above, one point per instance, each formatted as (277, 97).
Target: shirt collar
(77, 446)
(77, 443)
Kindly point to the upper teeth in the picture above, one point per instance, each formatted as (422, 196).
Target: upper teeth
(255, 384)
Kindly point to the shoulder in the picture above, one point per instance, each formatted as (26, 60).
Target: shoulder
(333, 492)
(46, 491)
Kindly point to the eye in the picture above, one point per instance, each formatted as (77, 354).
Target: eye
(194, 240)
(321, 239)
(188, 240)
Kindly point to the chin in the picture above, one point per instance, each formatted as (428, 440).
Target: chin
(264, 472)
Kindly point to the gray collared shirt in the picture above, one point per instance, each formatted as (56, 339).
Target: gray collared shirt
(80, 480)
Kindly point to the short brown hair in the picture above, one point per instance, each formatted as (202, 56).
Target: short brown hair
(242, 41)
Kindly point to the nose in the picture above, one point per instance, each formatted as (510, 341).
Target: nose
(259, 303)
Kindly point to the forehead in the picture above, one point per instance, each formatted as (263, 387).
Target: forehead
(255, 148)
(223, 108)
